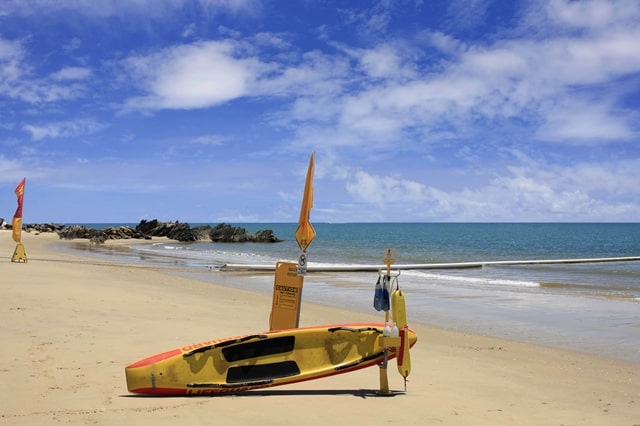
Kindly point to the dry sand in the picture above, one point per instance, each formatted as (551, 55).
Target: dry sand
(70, 324)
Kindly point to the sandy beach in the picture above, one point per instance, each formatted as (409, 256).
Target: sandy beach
(70, 324)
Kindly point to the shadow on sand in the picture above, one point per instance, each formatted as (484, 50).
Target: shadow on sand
(360, 393)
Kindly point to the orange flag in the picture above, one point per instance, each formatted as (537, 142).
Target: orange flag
(305, 232)
(17, 217)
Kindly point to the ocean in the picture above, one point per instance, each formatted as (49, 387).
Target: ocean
(587, 307)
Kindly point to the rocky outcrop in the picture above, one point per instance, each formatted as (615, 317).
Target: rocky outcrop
(99, 236)
(172, 230)
(147, 229)
(225, 233)
(43, 227)
(144, 230)
(38, 227)
(266, 236)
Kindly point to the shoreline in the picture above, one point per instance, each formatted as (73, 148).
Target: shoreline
(74, 323)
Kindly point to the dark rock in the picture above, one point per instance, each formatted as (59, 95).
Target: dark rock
(266, 236)
(77, 231)
(153, 228)
(40, 227)
(225, 233)
(173, 230)
(202, 231)
(182, 232)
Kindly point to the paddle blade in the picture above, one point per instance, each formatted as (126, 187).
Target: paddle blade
(403, 358)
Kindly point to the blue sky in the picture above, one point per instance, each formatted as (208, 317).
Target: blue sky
(208, 111)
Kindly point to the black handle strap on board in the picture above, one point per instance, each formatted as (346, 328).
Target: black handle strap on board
(223, 344)
(358, 361)
(229, 385)
(354, 330)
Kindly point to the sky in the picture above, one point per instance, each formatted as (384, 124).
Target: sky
(417, 110)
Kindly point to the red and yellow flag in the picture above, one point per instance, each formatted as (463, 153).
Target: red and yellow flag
(305, 232)
(17, 217)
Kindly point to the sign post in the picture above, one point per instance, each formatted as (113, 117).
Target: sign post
(287, 293)
(389, 259)
(289, 277)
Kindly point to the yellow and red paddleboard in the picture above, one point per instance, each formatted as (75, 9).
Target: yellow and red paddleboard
(262, 360)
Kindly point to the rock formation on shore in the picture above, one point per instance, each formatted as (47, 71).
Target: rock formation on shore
(224, 233)
(153, 228)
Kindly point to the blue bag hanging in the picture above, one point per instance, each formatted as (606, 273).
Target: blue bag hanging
(386, 305)
(378, 296)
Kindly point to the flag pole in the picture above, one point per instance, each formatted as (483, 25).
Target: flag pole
(19, 254)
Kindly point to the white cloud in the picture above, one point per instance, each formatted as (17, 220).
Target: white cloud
(188, 31)
(191, 76)
(210, 73)
(19, 80)
(592, 13)
(381, 62)
(375, 189)
(527, 190)
(565, 192)
(71, 73)
(313, 75)
(445, 43)
(585, 122)
(522, 78)
(571, 192)
(11, 67)
(9, 50)
(208, 140)
(63, 129)
(271, 40)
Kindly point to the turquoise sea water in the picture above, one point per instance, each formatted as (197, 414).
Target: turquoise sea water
(593, 307)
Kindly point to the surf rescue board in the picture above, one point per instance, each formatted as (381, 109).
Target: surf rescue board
(262, 360)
